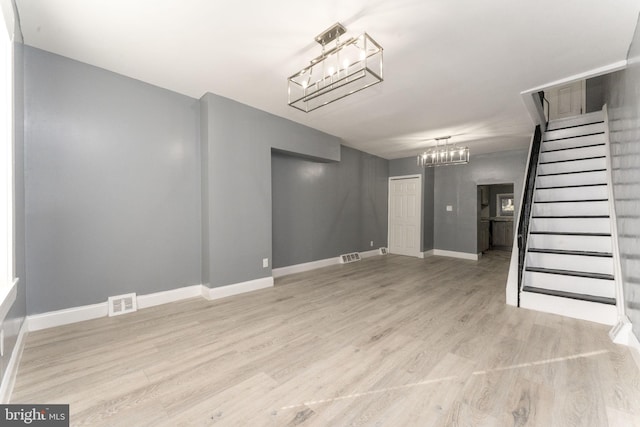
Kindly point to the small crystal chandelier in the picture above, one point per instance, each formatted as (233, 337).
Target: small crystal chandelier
(341, 70)
(444, 155)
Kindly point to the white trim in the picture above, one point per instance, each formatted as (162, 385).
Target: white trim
(306, 266)
(511, 289)
(312, 265)
(165, 297)
(418, 253)
(67, 316)
(52, 319)
(606, 69)
(532, 105)
(239, 288)
(617, 273)
(369, 254)
(428, 253)
(11, 371)
(7, 300)
(454, 254)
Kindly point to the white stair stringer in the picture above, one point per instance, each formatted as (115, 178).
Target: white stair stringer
(568, 266)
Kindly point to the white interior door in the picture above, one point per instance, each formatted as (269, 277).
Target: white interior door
(567, 101)
(405, 215)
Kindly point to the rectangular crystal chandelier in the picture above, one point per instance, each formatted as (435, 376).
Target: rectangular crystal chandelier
(444, 155)
(341, 70)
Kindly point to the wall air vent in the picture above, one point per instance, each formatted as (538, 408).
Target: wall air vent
(347, 258)
(383, 251)
(122, 304)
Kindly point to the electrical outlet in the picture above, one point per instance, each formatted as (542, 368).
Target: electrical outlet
(371, 244)
(449, 208)
(265, 262)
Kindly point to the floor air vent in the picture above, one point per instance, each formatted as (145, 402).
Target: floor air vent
(347, 258)
(122, 304)
(383, 251)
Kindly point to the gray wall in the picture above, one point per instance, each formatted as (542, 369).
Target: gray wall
(16, 315)
(457, 186)
(622, 95)
(409, 166)
(237, 142)
(594, 97)
(112, 185)
(321, 210)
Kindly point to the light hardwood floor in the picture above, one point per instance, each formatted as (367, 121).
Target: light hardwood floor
(388, 341)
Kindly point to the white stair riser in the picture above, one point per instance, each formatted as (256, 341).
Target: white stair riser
(585, 310)
(596, 116)
(575, 193)
(573, 131)
(572, 225)
(588, 264)
(577, 153)
(572, 142)
(571, 208)
(572, 179)
(571, 243)
(575, 166)
(578, 285)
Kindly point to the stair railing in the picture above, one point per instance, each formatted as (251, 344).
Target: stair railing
(527, 203)
(545, 111)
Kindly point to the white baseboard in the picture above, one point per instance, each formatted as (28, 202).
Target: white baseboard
(368, 254)
(306, 266)
(67, 316)
(238, 288)
(164, 297)
(52, 319)
(453, 254)
(9, 378)
(428, 253)
(312, 265)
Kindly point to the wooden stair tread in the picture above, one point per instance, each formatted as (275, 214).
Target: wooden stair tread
(575, 126)
(572, 148)
(572, 295)
(573, 136)
(570, 201)
(572, 160)
(570, 186)
(584, 274)
(571, 252)
(571, 172)
(571, 233)
(571, 216)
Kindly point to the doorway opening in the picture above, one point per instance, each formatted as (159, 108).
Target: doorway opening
(496, 213)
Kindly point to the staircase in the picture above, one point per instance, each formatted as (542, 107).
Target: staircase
(568, 266)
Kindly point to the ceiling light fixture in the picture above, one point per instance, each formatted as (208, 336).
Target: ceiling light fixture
(444, 155)
(341, 70)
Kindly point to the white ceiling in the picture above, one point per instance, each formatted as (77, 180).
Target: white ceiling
(452, 67)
